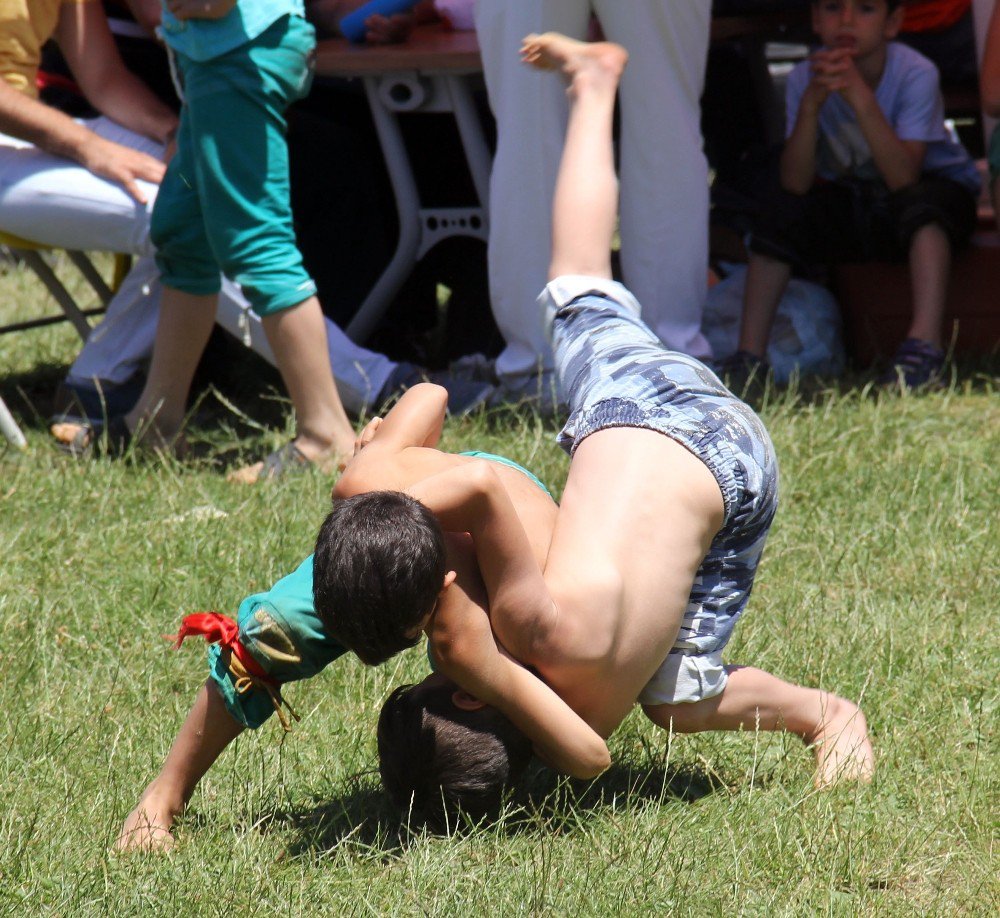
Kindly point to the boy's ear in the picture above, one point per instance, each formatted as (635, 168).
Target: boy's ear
(449, 579)
(466, 702)
(894, 23)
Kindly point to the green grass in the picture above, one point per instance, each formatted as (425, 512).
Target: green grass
(880, 582)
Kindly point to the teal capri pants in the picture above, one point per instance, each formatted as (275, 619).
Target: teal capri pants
(224, 201)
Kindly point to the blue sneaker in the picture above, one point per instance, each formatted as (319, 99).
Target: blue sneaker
(917, 365)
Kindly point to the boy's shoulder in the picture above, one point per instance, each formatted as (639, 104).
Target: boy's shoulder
(907, 68)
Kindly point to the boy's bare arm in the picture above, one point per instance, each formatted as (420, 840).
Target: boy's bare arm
(898, 161)
(798, 158)
(399, 450)
(205, 733)
(466, 651)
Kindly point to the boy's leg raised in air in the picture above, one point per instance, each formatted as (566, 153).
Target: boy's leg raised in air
(621, 478)
(585, 206)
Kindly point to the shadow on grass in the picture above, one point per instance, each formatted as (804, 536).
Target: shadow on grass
(546, 804)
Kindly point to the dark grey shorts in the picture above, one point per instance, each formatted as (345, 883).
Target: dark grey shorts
(616, 373)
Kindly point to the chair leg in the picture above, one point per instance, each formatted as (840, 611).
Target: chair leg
(9, 428)
(93, 277)
(48, 277)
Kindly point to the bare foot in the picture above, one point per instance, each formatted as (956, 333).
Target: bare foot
(603, 61)
(843, 750)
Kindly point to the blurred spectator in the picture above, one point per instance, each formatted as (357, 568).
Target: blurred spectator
(664, 175)
(989, 84)
(868, 171)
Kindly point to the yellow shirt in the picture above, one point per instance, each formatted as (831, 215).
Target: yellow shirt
(25, 25)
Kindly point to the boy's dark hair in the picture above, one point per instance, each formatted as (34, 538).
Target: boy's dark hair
(378, 568)
(439, 762)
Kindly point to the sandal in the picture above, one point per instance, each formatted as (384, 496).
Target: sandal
(289, 458)
(111, 439)
(916, 365)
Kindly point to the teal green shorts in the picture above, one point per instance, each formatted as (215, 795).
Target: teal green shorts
(224, 204)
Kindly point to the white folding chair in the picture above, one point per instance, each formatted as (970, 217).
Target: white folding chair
(32, 255)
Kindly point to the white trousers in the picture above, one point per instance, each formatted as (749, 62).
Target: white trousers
(664, 174)
(56, 202)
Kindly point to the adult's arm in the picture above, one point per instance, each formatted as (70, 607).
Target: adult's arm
(989, 81)
(206, 732)
(51, 130)
(90, 51)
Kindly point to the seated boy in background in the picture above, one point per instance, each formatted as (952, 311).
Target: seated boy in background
(671, 493)
(868, 171)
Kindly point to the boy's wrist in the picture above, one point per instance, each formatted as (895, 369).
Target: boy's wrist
(862, 100)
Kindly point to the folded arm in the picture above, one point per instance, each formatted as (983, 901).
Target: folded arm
(466, 651)
(471, 498)
(398, 450)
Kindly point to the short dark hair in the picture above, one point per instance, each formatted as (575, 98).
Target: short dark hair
(439, 762)
(377, 571)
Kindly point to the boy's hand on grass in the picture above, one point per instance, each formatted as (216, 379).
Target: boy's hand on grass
(147, 827)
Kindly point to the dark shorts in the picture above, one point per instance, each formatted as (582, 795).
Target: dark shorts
(836, 222)
(616, 373)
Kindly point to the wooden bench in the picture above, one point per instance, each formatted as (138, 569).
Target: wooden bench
(875, 300)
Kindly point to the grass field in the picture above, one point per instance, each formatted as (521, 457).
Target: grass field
(880, 581)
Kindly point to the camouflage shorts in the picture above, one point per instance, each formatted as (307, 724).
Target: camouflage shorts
(614, 372)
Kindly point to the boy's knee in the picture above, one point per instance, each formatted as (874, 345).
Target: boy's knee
(937, 202)
(183, 255)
